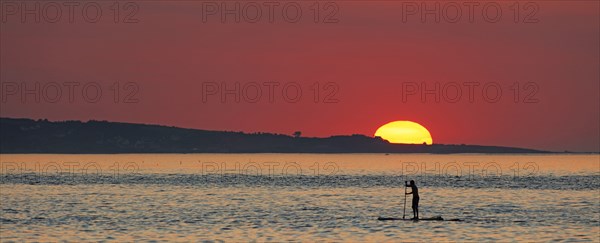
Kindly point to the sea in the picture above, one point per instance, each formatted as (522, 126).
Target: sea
(298, 197)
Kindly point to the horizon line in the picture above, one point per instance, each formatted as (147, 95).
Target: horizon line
(288, 135)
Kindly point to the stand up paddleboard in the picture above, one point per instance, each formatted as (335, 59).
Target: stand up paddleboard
(436, 218)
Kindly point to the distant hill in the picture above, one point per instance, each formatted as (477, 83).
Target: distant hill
(76, 137)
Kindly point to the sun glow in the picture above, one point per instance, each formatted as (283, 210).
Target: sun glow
(406, 132)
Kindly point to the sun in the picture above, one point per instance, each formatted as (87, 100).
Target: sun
(405, 132)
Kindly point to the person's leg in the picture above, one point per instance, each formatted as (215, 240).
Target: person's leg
(414, 208)
(417, 208)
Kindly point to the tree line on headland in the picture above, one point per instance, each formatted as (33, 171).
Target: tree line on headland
(76, 137)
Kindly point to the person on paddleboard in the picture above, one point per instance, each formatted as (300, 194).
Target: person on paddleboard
(415, 200)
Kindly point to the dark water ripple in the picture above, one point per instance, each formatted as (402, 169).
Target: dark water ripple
(566, 182)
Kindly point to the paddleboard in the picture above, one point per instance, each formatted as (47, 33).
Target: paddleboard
(437, 218)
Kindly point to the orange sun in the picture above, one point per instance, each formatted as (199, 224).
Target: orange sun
(406, 132)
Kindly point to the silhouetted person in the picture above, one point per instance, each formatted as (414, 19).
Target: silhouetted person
(415, 200)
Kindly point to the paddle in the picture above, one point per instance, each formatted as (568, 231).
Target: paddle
(404, 210)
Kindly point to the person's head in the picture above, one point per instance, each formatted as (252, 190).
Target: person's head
(412, 182)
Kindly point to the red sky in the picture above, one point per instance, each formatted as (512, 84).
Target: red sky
(370, 54)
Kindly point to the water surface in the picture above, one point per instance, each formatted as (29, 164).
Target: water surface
(276, 197)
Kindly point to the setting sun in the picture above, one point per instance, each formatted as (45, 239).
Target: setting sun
(406, 132)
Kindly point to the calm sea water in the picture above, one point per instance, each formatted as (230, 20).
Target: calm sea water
(280, 197)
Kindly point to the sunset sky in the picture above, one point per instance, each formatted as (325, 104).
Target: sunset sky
(369, 56)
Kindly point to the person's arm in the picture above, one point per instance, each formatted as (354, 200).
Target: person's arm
(406, 184)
